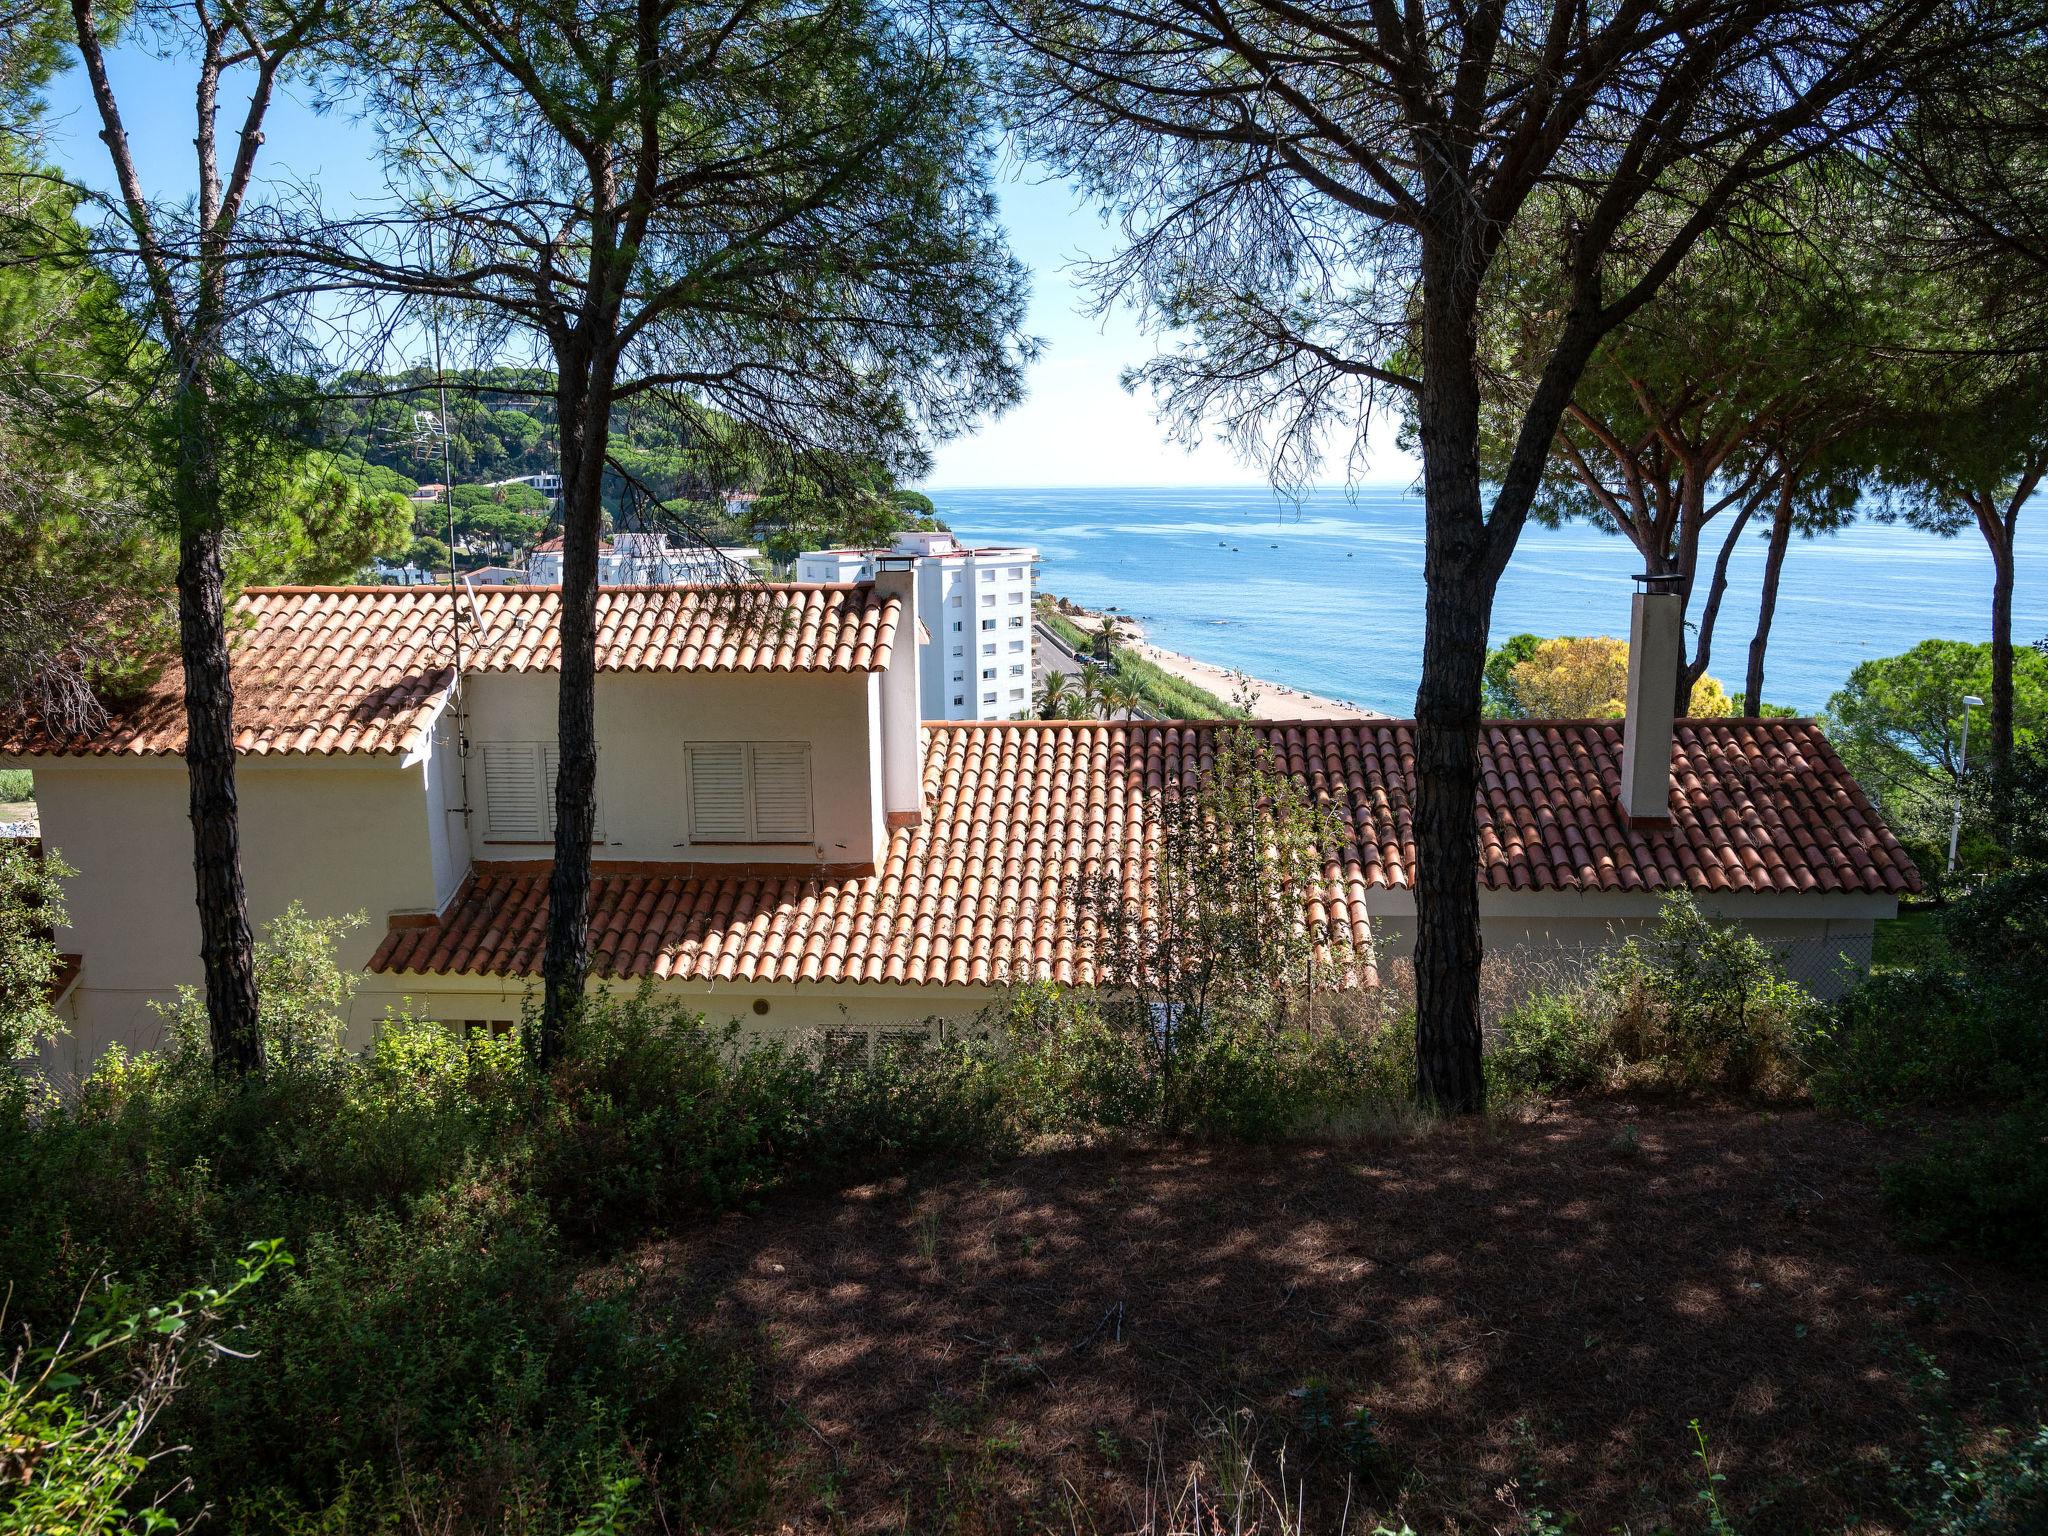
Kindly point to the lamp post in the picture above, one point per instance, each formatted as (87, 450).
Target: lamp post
(1955, 827)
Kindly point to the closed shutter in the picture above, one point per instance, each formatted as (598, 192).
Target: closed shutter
(782, 792)
(512, 791)
(551, 765)
(718, 791)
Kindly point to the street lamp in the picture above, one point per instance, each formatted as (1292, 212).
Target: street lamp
(1955, 828)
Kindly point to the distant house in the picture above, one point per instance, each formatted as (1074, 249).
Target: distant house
(547, 483)
(432, 492)
(781, 840)
(495, 576)
(648, 559)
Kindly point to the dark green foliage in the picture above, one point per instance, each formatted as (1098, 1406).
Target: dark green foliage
(1077, 1063)
(1498, 680)
(1962, 1029)
(654, 1116)
(1982, 1190)
(1552, 1042)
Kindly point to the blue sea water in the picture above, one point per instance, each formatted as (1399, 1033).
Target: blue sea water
(1326, 594)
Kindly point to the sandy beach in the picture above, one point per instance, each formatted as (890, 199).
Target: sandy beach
(1273, 701)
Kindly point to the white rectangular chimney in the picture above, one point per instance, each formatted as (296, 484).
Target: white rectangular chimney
(902, 693)
(1656, 637)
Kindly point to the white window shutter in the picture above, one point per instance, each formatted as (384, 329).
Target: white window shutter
(782, 792)
(512, 791)
(718, 791)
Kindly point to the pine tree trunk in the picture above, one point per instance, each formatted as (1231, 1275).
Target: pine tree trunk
(583, 408)
(1457, 607)
(1767, 603)
(226, 945)
(2000, 537)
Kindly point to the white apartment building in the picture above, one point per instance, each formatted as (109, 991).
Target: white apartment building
(977, 606)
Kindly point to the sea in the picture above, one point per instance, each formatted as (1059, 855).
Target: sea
(1325, 593)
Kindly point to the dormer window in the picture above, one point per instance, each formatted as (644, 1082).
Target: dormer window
(749, 791)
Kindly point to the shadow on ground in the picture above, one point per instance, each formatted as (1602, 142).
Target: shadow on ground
(1527, 1313)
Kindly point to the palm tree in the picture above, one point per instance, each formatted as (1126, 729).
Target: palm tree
(1088, 695)
(1107, 637)
(1122, 697)
(1053, 697)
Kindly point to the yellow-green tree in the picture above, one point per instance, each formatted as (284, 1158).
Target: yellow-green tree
(1585, 677)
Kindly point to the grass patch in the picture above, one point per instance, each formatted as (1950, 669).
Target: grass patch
(1172, 698)
(16, 785)
(1913, 938)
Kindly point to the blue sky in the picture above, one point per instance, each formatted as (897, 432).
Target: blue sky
(1077, 426)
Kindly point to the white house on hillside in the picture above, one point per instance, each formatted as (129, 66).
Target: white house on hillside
(782, 841)
(649, 560)
(977, 603)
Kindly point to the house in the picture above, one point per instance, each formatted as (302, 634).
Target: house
(978, 603)
(648, 559)
(782, 840)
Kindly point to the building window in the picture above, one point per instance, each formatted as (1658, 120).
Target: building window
(1016, 645)
(988, 674)
(959, 677)
(1016, 621)
(1016, 693)
(956, 626)
(959, 649)
(519, 791)
(1017, 669)
(749, 791)
(958, 599)
(988, 575)
(988, 623)
(989, 649)
(988, 599)
(988, 698)
(1016, 597)
(958, 698)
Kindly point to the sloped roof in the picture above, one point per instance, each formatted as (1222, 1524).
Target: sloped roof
(362, 669)
(1018, 815)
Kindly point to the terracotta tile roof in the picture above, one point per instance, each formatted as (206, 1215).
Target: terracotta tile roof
(984, 890)
(362, 669)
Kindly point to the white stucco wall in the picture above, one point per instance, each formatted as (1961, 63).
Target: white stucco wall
(644, 721)
(793, 1010)
(1824, 939)
(339, 834)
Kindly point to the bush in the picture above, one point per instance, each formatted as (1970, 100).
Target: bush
(654, 1114)
(16, 785)
(1073, 1063)
(1983, 1189)
(1702, 1002)
(1962, 1028)
(1553, 1042)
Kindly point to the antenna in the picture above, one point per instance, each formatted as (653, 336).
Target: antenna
(447, 477)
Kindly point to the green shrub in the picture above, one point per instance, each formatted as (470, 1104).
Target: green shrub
(1553, 1042)
(1983, 1189)
(1960, 1029)
(1702, 1002)
(1071, 1063)
(655, 1115)
(16, 785)
(77, 1416)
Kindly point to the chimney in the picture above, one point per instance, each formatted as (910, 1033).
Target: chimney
(1656, 630)
(902, 692)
